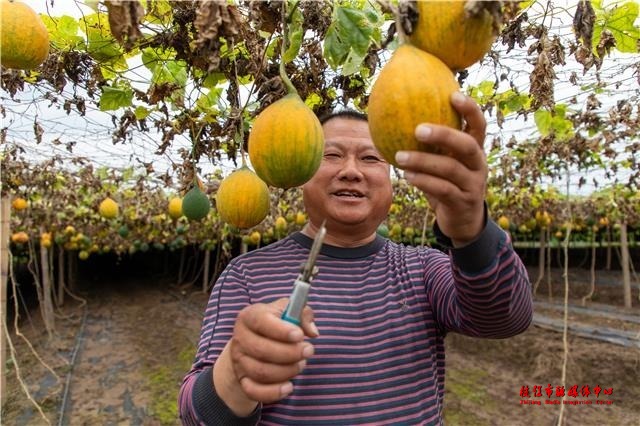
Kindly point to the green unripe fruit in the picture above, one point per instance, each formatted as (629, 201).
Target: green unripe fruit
(195, 204)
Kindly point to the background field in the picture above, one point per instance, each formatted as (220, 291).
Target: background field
(120, 358)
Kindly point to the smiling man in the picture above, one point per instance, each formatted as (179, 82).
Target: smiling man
(370, 349)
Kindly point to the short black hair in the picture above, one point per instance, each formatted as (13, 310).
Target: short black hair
(344, 113)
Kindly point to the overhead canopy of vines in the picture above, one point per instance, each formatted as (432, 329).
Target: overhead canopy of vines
(176, 79)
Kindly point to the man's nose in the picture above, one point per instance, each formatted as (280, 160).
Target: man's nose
(350, 169)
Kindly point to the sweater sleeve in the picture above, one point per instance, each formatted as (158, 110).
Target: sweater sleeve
(198, 402)
(484, 289)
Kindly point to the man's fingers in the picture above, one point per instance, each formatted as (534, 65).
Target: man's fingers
(265, 372)
(440, 189)
(475, 123)
(265, 393)
(459, 145)
(267, 350)
(308, 325)
(264, 320)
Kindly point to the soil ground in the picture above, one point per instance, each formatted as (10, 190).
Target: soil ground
(139, 339)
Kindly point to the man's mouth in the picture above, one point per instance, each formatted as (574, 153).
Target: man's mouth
(349, 194)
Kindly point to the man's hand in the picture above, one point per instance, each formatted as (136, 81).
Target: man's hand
(455, 183)
(263, 355)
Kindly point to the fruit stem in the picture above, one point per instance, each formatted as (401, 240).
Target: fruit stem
(239, 136)
(283, 47)
(194, 143)
(402, 36)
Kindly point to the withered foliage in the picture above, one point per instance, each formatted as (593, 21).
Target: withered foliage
(125, 17)
(204, 33)
(214, 20)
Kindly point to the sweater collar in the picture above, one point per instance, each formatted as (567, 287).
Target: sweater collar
(342, 252)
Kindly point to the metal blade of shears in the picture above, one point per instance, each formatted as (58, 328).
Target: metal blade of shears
(308, 269)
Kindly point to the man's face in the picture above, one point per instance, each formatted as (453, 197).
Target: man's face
(352, 187)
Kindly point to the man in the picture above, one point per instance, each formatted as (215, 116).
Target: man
(370, 349)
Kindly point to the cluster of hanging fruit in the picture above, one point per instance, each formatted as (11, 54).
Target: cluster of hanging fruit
(437, 38)
(285, 149)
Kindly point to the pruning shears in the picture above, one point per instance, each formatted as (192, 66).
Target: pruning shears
(302, 284)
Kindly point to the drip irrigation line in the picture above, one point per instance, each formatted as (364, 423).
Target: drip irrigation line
(609, 335)
(76, 349)
(601, 312)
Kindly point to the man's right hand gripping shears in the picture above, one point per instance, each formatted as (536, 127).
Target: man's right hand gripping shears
(302, 284)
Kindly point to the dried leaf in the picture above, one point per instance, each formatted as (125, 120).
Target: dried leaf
(513, 33)
(607, 42)
(476, 8)
(586, 57)
(583, 22)
(38, 131)
(556, 51)
(124, 20)
(409, 15)
(541, 81)
(265, 14)
(214, 20)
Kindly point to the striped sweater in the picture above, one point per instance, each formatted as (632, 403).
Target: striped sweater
(382, 309)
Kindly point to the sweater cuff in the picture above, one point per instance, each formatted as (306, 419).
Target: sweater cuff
(212, 410)
(479, 254)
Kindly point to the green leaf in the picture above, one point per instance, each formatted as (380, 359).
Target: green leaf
(93, 4)
(159, 12)
(208, 102)
(102, 173)
(212, 79)
(483, 92)
(352, 64)
(622, 28)
(100, 43)
(141, 112)
(349, 36)
(619, 20)
(173, 72)
(312, 100)
(115, 97)
(127, 174)
(514, 102)
(542, 118)
(63, 31)
(296, 33)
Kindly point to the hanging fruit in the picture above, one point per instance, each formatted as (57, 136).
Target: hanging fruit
(504, 222)
(242, 199)
(195, 204)
(19, 204)
(108, 208)
(286, 142)
(175, 207)
(24, 39)
(413, 87)
(20, 237)
(459, 33)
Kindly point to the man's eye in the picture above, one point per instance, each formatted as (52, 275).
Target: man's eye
(371, 159)
(331, 155)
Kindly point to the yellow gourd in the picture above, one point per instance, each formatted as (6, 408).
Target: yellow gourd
(24, 39)
(413, 87)
(242, 199)
(459, 33)
(286, 143)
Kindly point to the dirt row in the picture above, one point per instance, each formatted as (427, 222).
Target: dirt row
(138, 340)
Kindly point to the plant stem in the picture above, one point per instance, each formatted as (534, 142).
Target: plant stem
(239, 136)
(283, 48)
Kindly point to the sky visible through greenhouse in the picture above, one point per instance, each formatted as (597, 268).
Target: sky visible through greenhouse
(91, 134)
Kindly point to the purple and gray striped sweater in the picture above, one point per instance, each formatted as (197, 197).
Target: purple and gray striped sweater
(382, 310)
